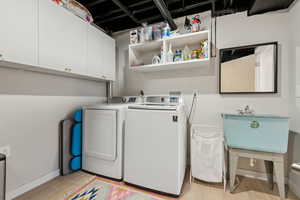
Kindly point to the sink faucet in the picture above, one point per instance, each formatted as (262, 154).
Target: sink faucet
(246, 111)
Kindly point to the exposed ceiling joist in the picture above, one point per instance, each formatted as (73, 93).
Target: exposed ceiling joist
(131, 6)
(118, 15)
(139, 3)
(179, 10)
(110, 19)
(126, 10)
(107, 14)
(196, 5)
(95, 3)
(143, 9)
(160, 4)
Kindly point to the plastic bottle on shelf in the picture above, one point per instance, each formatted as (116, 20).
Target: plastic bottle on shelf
(206, 53)
(142, 35)
(148, 33)
(166, 31)
(178, 56)
(170, 55)
(156, 32)
(162, 56)
(186, 53)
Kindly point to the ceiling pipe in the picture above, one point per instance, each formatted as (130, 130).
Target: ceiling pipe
(160, 4)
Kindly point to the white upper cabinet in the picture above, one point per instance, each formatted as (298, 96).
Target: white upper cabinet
(62, 38)
(18, 31)
(40, 35)
(100, 54)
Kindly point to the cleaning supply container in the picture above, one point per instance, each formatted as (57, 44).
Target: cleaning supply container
(2, 176)
(207, 153)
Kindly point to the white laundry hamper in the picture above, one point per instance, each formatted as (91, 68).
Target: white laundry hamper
(207, 153)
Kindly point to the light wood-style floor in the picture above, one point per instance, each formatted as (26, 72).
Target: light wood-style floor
(249, 189)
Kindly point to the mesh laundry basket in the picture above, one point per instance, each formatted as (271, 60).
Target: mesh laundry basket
(207, 153)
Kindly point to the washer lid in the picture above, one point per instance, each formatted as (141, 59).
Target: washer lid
(153, 107)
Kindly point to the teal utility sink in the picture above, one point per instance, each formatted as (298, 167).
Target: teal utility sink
(266, 133)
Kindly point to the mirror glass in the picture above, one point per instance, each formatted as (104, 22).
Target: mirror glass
(249, 69)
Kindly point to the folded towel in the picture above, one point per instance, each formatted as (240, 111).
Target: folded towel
(296, 166)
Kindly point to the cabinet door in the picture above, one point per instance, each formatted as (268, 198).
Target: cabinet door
(94, 53)
(109, 56)
(100, 54)
(18, 32)
(62, 38)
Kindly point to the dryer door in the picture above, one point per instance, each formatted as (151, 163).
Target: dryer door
(100, 134)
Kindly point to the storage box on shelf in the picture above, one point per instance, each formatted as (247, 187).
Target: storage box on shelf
(141, 54)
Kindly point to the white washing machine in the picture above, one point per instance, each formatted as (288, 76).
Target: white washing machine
(103, 132)
(156, 144)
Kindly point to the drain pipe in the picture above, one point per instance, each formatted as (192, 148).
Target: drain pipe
(109, 90)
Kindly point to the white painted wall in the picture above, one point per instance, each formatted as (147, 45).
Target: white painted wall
(232, 30)
(295, 68)
(294, 18)
(32, 106)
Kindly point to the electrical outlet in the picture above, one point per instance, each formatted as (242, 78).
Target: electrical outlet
(5, 150)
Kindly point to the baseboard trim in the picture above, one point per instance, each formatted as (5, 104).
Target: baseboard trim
(29, 186)
(256, 175)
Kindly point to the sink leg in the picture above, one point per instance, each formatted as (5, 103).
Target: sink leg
(234, 158)
(269, 170)
(279, 173)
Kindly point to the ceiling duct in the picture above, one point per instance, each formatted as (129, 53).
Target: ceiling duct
(263, 6)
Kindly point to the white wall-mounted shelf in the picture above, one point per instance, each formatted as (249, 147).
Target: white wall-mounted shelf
(189, 38)
(144, 52)
(147, 46)
(196, 63)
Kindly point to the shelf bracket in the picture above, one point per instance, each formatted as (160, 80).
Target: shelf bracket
(160, 4)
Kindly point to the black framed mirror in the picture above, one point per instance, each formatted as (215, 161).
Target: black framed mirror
(249, 69)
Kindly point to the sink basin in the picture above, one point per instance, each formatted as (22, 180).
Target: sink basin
(268, 133)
